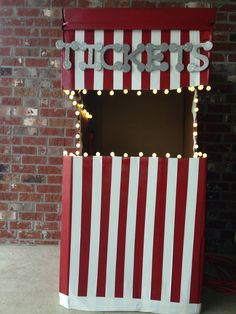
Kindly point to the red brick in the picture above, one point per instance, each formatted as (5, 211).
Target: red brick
(6, 11)
(51, 32)
(8, 196)
(23, 168)
(55, 160)
(54, 179)
(53, 235)
(30, 197)
(48, 189)
(52, 217)
(49, 170)
(34, 160)
(37, 22)
(47, 207)
(6, 31)
(47, 226)
(51, 131)
(20, 225)
(52, 112)
(31, 216)
(11, 101)
(19, 187)
(7, 234)
(5, 51)
(28, 52)
(26, 150)
(28, 12)
(5, 91)
(2, 224)
(30, 235)
(53, 198)
(4, 187)
(34, 141)
(232, 57)
(36, 62)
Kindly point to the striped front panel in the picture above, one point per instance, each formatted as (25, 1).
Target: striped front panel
(135, 80)
(136, 234)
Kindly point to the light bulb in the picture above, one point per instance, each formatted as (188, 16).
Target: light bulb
(77, 153)
(66, 91)
(195, 146)
(111, 92)
(200, 154)
(196, 109)
(179, 90)
(85, 154)
(167, 155)
(125, 91)
(191, 88)
(77, 136)
(71, 154)
(195, 133)
(78, 145)
(139, 93)
(166, 91)
(179, 156)
(195, 155)
(77, 125)
(97, 154)
(154, 91)
(71, 97)
(154, 155)
(72, 92)
(112, 154)
(125, 155)
(204, 155)
(77, 113)
(65, 153)
(99, 93)
(195, 100)
(208, 88)
(200, 87)
(84, 91)
(195, 124)
(140, 154)
(74, 103)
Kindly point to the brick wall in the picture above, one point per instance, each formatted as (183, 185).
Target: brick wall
(36, 123)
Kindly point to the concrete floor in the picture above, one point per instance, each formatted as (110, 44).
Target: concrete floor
(29, 283)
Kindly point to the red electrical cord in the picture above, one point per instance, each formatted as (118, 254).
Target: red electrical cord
(220, 273)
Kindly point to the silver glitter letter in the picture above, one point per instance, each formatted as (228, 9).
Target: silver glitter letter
(196, 53)
(91, 64)
(151, 66)
(60, 44)
(105, 65)
(131, 57)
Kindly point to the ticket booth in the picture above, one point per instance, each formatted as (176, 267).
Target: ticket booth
(133, 198)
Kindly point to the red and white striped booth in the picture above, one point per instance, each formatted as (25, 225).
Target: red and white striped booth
(132, 234)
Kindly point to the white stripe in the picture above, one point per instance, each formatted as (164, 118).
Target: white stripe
(189, 229)
(75, 226)
(79, 57)
(113, 226)
(169, 230)
(174, 74)
(118, 56)
(155, 75)
(98, 75)
(149, 227)
(131, 226)
(136, 74)
(95, 225)
(194, 38)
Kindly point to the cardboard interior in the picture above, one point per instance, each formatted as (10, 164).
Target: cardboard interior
(129, 123)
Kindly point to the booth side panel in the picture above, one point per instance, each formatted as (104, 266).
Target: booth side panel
(66, 224)
(198, 251)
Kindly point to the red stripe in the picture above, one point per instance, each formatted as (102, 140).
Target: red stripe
(198, 246)
(140, 222)
(68, 76)
(66, 225)
(180, 210)
(120, 259)
(165, 76)
(127, 76)
(108, 74)
(85, 225)
(88, 73)
(104, 224)
(159, 224)
(146, 38)
(184, 75)
(204, 75)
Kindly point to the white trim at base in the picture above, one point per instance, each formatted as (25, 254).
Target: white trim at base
(127, 305)
(64, 300)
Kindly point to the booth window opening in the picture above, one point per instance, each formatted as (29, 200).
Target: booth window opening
(127, 125)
